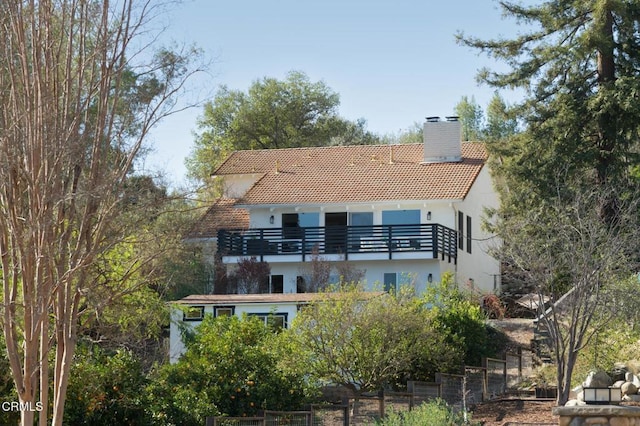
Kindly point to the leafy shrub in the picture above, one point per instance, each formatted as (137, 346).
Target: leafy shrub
(228, 369)
(461, 319)
(365, 341)
(106, 389)
(436, 413)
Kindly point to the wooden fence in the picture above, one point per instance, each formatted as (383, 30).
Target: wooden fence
(493, 379)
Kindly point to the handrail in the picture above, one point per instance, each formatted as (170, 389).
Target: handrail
(435, 238)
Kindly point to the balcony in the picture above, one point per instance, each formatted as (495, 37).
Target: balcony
(424, 241)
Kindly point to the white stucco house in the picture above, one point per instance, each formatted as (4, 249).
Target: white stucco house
(401, 214)
(395, 212)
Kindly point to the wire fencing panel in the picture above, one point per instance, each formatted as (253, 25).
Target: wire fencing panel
(365, 411)
(423, 391)
(330, 415)
(476, 384)
(236, 421)
(514, 370)
(527, 363)
(496, 377)
(289, 418)
(397, 401)
(451, 387)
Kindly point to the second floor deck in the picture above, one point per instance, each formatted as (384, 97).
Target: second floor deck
(419, 241)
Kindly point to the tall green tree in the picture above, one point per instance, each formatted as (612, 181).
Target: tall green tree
(471, 116)
(294, 112)
(76, 102)
(578, 64)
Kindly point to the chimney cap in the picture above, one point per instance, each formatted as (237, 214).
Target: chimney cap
(452, 118)
(433, 119)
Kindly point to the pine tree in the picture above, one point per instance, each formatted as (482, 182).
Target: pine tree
(578, 63)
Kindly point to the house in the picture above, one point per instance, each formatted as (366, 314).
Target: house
(396, 214)
(277, 310)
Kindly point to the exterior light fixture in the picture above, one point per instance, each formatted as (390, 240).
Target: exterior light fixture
(271, 219)
(430, 278)
(602, 396)
(428, 215)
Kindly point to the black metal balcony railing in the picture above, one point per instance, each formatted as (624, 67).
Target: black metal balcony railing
(436, 239)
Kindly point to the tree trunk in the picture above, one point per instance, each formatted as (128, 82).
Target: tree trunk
(607, 119)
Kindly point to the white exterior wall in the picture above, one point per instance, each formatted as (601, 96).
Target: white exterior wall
(418, 270)
(235, 186)
(480, 266)
(442, 141)
(176, 345)
(441, 213)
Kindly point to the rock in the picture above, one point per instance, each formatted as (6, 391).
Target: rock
(628, 377)
(597, 379)
(574, 403)
(636, 381)
(628, 388)
(618, 384)
(619, 421)
(573, 393)
(618, 372)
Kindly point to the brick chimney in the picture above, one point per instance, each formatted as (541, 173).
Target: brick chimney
(442, 140)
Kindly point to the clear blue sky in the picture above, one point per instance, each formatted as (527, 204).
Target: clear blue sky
(393, 62)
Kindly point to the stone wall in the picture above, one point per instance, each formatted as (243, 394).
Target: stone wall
(601, 415)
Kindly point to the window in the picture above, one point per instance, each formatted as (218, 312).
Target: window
(309, 220)
(193, 313)
(276, 321)
(460, 231)
(361, 219)
(277, 283)
(390, 281)
(469, 234)
(223, 311)
(291, 226)
(401, 217)
(301, 285)
(292, 223)
(393, 280)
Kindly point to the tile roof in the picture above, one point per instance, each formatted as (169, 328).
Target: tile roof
(222, 214)
(352, 174)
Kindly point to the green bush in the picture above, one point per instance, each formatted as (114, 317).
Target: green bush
(106, 389)
(460, 318)
(434, 413)
(230, 369)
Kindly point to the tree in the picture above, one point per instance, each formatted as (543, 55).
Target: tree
(365, 341)
(471, 117)
(578, 64)
(251, 276)
(294, 112)
(577, 261)
(500, 123)
(496, 125)
(75, 109)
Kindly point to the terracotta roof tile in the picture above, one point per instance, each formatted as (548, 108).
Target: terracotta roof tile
(222, 214)
(351, 174)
